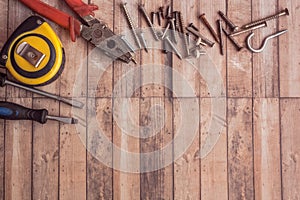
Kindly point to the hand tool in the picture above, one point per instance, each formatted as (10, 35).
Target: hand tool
(12, 111)
(4, 81)
(264, 42)
(236, 44)
(33, 54)
(144, 12)
(93, 30)
(252, 28)
(131, 25)
(210, 28)
(221, 36)
(231, 25)
(282, 13)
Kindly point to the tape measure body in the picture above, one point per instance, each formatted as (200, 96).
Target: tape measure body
(34, 55)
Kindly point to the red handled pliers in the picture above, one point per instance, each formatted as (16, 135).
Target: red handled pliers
(94, 30)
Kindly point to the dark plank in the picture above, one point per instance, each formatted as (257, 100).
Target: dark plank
(240, 149)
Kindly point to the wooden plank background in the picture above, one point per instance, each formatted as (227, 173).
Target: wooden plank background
(256, 157)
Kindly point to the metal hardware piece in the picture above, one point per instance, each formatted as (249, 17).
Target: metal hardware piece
(200, 42)
(188, 38)
(169, 42)
(158, 18)
(221, 36)
(173, 30)
(231, 25)
(210, 28)
(282, 13)
(236, 44)
(264, 44)
(262, 25)
(177, 20)
(143, 10)
(181, 23)
(131, 24)
(166, 30)
(153, 16)
(29, 53)
(198, 35)
(161, 12)
(142, 36)
(193, 26)
(168, 13)
(128, 45)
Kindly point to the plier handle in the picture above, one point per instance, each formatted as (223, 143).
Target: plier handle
(94, 30)
(61, 18)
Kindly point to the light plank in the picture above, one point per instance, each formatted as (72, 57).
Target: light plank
(265, 64)
(214, 165)
(240, 149)
(239, 64)
(187, 167)
(155, 80)
(2, 153)
(18, 149)
(156, 133)
(267, 149)
(289, 58)
(45, 153)
(72, 160)
(126, 177)
(3, 34)
(99, 175)
(290, 115)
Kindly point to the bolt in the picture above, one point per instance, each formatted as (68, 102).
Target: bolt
(236, 44)
(193, 26)
(210, 28)
(143, 10)
(282, 13)
(221, 37)
(264, 24)
(231, 25)
(198, 35)
(131, 24)
(142, 36)
(167, 39)
(123, 38)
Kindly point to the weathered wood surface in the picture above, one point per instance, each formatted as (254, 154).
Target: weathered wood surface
(255, 157)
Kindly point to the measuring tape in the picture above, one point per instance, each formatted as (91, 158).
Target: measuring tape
(33, 54)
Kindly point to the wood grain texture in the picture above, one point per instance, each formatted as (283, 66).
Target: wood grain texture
(45, 153)
(18, 151)
(214, 165)
(290, 115)
(3, 35)
(126, 178)
(99, 176)
(156, 125)
(72, 159)
(187, 167)
(239, 64)
(2, 157)
(289, 57)
(266, 139)
(240, 149)
(265, 64)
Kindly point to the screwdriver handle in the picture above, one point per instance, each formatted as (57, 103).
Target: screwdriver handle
(12, 111)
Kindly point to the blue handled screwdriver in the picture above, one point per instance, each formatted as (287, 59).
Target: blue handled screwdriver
(12, 111)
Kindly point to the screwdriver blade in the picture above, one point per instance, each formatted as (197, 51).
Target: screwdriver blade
(65, 120)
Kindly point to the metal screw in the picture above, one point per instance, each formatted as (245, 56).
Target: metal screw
(153, 16)
(166, 30)
(127, 43)
(236, 44)
(210, 28)
(173, 29)
(177, 20)
(168, 14)
(131, 24)
(221, 37)
(231, 25)
(143, 10)
(264, 24)
(161, 12)
(158, 18)
(167, 39)
(198, 35)
(282, 13)
(4, 57)
(181, 23)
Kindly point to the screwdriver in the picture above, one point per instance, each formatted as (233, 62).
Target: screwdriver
(4, 81)
(12, 111)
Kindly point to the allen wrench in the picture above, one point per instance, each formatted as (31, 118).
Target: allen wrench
(265, 41)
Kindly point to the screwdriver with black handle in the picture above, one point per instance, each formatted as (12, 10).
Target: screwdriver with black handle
(12, 111)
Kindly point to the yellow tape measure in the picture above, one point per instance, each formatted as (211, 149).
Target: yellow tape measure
(34, 54)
